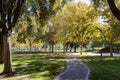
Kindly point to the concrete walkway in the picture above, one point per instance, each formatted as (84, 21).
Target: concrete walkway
(97, 54)
(76, 70)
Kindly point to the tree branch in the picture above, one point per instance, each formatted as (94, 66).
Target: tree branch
(17, 12)
(114, 9)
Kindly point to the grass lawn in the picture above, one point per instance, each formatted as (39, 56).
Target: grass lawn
(103, 68)
(36, 66)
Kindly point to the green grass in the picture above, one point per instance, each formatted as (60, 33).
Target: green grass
(35, 52)
(36, 66)
(32, 66)
(103, 68)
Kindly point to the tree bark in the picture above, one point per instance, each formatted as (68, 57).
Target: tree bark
(52, 47)
(7, 55)
(30, 44)
(81, 45)
(1, 54)
(64, 48)
(111, 48)
(70, 49)
(1, 50)
(81, 50)
(74, 49)
(114, 9)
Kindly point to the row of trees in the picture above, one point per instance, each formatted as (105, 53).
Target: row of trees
(76, 22)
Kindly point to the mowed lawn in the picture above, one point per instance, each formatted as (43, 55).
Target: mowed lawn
(103, 68)
(36, 66)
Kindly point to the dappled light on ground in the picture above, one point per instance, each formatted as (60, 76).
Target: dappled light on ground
(37, 66)
(103, 68)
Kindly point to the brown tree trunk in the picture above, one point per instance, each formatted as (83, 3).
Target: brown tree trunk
(111, 48)
(81, 49)
(1, 50)
(114, 9)
(7, 55)
(74, 49)
(1, 54)
(81, 45)
(52, 46)
(30, 44)
(64, 48)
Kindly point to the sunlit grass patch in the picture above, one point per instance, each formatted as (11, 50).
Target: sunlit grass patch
(1, 67)
(103, 68)
(37, 66)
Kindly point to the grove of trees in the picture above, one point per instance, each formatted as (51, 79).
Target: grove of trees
(52, 22)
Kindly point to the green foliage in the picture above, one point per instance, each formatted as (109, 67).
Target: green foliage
(9, 14)
(77, 20)
(26, 29)
(114, 26)
(110, 22)
(38, 12)
(45, 9)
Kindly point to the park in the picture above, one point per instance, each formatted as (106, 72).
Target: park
(59, 39)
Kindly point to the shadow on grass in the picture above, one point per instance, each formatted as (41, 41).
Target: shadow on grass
(103, 68)
(39, 65)
(34, 52)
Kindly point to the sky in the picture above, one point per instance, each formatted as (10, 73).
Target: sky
(86, 1)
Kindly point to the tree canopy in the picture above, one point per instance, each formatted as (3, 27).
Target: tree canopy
(112, 4)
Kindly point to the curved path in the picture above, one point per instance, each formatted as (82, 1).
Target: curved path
(76, 70)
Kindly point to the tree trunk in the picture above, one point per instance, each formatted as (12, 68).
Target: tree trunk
(114, 9)
(64, 48)
(30, 45)
(111, 48)
(81, 46)
(7, 55)
(74, 49)
(81, 49)
(45, 47)
(1, 50)
(70, 49)
(52, 47)
(1, 54)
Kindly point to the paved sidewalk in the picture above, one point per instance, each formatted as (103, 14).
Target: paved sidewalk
(76, 70)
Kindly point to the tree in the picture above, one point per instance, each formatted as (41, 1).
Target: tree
(113, 29)
(79, 22)
(61, 28)
(27, 30)
(10, 11)
(112, 6)
(45, 9)
(9, 14)
(114, 32)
